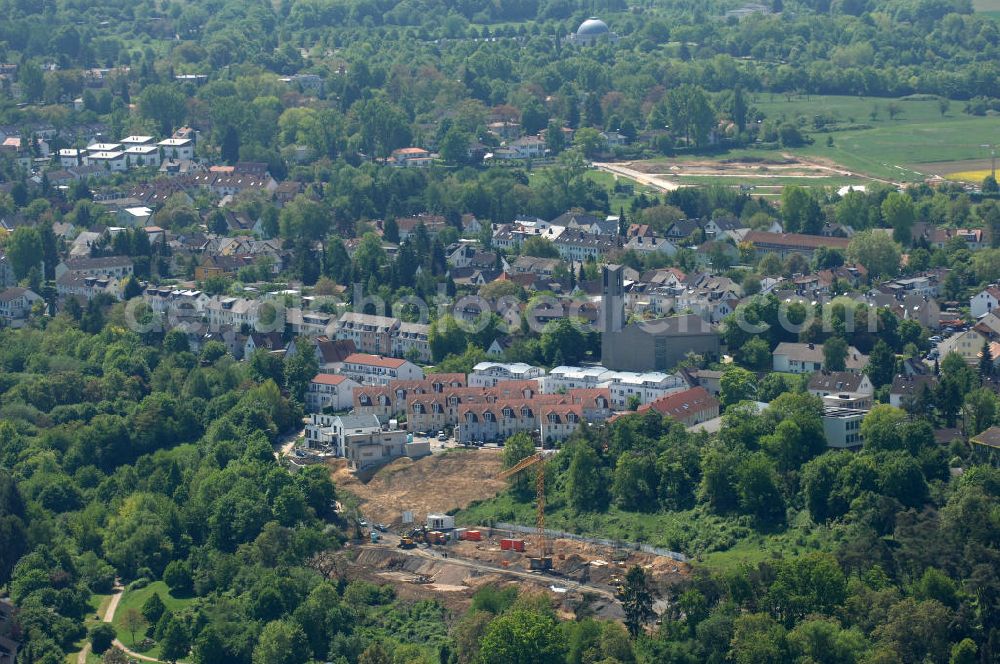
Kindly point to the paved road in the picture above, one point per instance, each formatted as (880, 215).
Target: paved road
(655, 181)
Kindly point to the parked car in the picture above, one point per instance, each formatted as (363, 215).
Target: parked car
(442, 436)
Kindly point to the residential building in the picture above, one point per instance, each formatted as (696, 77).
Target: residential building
(332, 430)
(968, 344)
(71, 157)
(842, 427)
(374, 448)
(383, 335)
(142, 155)
(16, 304)
(906, 387)
(629, 387)
(411, 158)
(785, 244)
(986, 446)
(237, 312)
(579, 246)
(85, 288)
(563, 378)
(984, 301)
(366, 369)
(825, 383)
(802, 358)
(690, 407)
(330, 354)
(104, 266)
(330, 391)
(114, 162)
(488, 374)
(177, 148)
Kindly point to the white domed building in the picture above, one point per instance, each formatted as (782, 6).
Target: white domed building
(592, 31)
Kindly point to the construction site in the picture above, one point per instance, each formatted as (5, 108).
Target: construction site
(408, 538)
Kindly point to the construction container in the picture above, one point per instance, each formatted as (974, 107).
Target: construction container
(473, 536)
(458, 534)
(508, 544)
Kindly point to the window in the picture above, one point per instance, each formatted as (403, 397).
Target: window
(488, 416)
(508, 413)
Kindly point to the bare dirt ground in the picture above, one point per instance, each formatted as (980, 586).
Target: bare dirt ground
(944, 168)
(783, 166)
(434, 484)
(452, 573)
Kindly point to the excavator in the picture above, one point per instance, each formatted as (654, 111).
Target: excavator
(543, 562)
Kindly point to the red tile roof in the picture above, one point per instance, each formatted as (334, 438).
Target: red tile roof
(374, 360)
(682, 404)
(329, 379)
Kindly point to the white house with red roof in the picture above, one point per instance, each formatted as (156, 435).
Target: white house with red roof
(411, 158)
(984, 301)
(367, 369)
(689, 407)
(332, 391)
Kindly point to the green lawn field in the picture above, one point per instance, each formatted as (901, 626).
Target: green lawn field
(888, 148)
(135, 599)
(708, 540)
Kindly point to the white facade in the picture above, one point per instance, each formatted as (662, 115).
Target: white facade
(650, 386)
(575, 378)
(111, 161)
(488, 374)
(330, 391)
(177, 148)
(377, 370)
(842, 427)
(69, 158)
(984, 302)
(142, 155)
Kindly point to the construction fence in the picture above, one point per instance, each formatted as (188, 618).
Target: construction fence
(611, 544)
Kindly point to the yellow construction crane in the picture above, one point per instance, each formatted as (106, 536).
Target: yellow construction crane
(543, 561)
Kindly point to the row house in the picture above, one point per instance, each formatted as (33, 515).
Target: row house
(435, 411)
(629, 386)
(786, 244)
(500, 420)
(801, 358)
(432, 223)
(580, 246)
(689, 407)
(308, 323)
(645, 246)
(85, 288)
(587, 223)
(384, 335)
(391, 400)
(366, 369)
(118, 267)
(175, 300)
(488, 374)
(238, 312)
(330, 353)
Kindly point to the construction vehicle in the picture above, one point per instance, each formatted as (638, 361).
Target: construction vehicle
(406, 542)
(543, 561)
